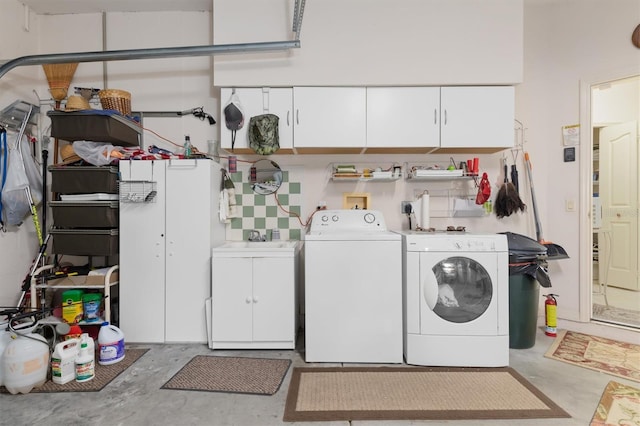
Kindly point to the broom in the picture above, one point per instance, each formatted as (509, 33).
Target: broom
(59, 77)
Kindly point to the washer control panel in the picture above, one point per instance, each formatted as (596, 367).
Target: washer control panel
(347, 220)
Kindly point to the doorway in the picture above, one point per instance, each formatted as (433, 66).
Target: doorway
(615, 223)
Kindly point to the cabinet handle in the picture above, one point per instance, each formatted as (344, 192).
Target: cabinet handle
(435, 116)
(255, 300)
(297, 116)
(288, 124)
(247, 300)
(445, 117)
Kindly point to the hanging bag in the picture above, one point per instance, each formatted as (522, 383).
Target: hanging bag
(15, 204)
(484, 191)
(263, 134)
(233, 116)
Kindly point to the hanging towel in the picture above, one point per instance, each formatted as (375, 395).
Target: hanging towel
(228, 207)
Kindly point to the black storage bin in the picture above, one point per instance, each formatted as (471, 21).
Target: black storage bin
(527, 271)
(85, 242)
(84, 179)
(101, 125)
(86, 214)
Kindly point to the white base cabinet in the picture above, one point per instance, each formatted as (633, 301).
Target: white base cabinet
(253, 302)
(165, 249)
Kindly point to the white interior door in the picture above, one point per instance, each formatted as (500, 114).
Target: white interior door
(619, 199)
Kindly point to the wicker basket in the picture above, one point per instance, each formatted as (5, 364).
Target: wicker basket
(119, 100)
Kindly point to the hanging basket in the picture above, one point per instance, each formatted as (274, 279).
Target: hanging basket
(59, 77)
(116, 99)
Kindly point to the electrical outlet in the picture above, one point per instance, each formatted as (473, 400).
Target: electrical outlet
(403, 206)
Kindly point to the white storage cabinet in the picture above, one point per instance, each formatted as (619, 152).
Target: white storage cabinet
(403, 117)
(256, 101)
(330, 117)
(253, 302)
(477, 117)
(166, 243)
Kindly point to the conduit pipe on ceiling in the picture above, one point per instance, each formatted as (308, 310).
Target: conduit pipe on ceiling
(154, 53)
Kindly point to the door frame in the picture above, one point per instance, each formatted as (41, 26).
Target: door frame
(586, 187)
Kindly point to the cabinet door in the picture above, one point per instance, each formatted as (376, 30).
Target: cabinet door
(273, 299)
(142, 254)
(188, 248)
(329, 117)
(256, 101)
(403, 117)
(477, 117)
(232, 299)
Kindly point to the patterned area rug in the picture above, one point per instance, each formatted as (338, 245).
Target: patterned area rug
(260, 376)
(619, 405)
(104, 374)
(597, 353)
(414, 393)
(616, 315)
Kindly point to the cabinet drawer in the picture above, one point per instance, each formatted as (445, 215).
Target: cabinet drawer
(91, 214)
(85, 242)
(84, 179)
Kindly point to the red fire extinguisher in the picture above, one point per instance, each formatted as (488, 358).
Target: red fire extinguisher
(551, 315)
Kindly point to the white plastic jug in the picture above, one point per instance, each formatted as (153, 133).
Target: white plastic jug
(5, 339)
(110, 344)
(63, 361)
(25, 363)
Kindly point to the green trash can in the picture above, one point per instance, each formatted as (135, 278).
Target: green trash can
(524, 292)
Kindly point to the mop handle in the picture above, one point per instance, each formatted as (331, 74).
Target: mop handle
(533, 198)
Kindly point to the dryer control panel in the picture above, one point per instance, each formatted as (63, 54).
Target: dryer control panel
(325, 221)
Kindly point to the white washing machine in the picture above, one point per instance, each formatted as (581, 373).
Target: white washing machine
(353, 288)
(456, 295)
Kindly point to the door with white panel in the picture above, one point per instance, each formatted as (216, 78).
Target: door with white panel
(619, 202)
(188, 248)
(142, 254)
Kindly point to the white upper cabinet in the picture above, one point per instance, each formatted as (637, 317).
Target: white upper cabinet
(257, 101)
(403, 117)
(330, 117)
(477, 117)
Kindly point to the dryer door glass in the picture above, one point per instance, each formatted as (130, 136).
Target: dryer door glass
(464, 289)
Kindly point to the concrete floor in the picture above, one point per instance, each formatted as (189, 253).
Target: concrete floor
(135, 397)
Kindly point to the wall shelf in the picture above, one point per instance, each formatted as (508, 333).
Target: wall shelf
(365, 173)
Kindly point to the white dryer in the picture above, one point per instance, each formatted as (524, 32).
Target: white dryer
(456, 299)
(353, 288)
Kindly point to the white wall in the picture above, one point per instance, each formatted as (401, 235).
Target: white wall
(369, 42)
(565, 41)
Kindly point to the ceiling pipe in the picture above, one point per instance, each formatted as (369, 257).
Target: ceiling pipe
(154, 53)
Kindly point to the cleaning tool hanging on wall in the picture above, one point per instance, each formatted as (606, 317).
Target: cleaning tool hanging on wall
(554, 251)
(508, 200)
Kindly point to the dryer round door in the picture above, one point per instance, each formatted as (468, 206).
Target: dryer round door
(459, 293)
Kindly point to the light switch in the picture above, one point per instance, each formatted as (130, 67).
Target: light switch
(570, 205)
